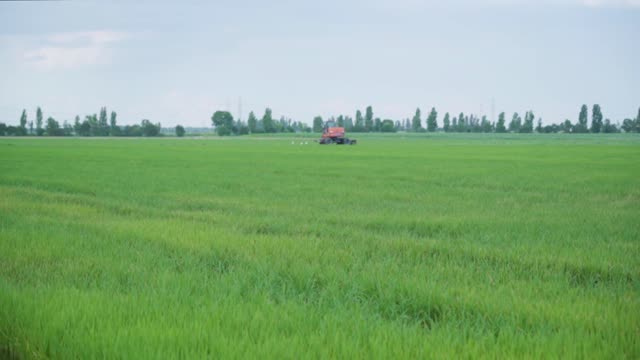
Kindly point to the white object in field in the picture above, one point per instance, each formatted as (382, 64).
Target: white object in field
(306, 143)
(293, 142)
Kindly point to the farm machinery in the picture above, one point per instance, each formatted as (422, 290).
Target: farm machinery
(333, 134)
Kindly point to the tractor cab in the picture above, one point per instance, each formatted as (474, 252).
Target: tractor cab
(332, 131)
(328, 125)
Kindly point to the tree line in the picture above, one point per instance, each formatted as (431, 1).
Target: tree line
(224, 123)
(99, 124)
(104, 124)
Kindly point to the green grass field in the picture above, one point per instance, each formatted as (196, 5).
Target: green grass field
(518, 246)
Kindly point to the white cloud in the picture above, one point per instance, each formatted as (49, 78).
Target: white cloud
(412, 5)
(588, 3)
(73, 49)
(611, 3)
(96, 37)
(50, 57)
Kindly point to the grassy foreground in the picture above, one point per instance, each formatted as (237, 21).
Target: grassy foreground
(441, 246)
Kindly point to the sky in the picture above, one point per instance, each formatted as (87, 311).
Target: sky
(178, 62)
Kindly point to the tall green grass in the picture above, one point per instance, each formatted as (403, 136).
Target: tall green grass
(402, 246)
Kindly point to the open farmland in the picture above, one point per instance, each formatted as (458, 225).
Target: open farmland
(419, 246)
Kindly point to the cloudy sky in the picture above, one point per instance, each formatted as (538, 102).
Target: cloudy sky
(176, 63)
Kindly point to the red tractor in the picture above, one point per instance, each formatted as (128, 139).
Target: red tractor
(332, 134)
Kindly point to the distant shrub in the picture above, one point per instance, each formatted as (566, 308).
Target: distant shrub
(388, 126)
(150, 129)
(180, 131)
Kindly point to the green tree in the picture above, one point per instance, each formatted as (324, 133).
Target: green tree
(581, 126)
(485, 125)
(608, 127)
(52, 127)
(132, 130)
(567, 126)
(267, 121)
(539, 128)
(93, 123)
(462, 126)
(243, 129)
(223, 122)
(348, 123)
(368, 119)
(416, 121)
(387, 125)
(432, 120)
(596, 119)
(377, 124)
(85, 127)
(628, 125)
(516, 123)
(252, 123)
(359, 125)
(271, 124)
(30, 127)
(285, 125)
(114, 130)
(39, 129)
(500, 128)
(3, 129)
(149, 129)
(318, 123)
(180, 131)
(341, 121)
(23, 123)
(637, 122)
(527, 126)
(446, 123)
(67, 129)
(76, 125)
(103, 125)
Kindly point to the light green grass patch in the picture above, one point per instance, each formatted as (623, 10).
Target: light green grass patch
(466, 245)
